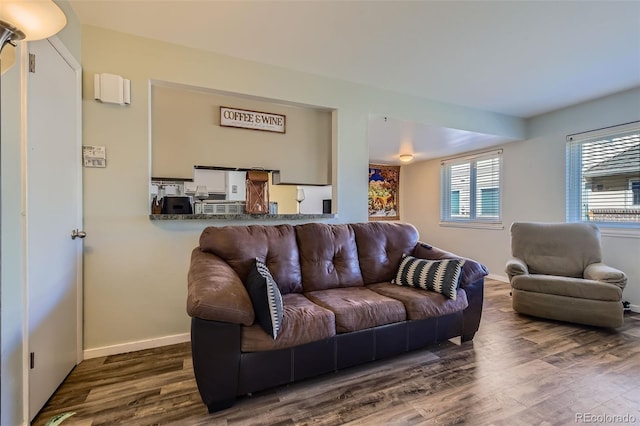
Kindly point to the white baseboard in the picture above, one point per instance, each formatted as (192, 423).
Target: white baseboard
(501, 278)
(136, 346)
(635, 308)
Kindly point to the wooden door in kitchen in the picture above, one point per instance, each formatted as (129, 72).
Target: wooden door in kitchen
(53, 211)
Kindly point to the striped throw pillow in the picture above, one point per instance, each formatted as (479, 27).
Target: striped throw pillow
(266, 298)
(441, 276)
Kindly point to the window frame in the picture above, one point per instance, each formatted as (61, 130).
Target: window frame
(474, 219)
(573, 188)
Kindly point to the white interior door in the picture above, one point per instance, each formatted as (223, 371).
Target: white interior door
(53, 210)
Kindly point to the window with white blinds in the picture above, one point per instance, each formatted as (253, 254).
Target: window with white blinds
(471, 187)
(603, 176)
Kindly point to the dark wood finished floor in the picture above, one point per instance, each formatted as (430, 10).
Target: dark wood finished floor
(517, 371)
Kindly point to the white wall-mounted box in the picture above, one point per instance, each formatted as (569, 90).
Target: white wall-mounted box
(111, 89)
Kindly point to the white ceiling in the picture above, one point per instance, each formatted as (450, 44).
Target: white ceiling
(519, 58)
(423, 141)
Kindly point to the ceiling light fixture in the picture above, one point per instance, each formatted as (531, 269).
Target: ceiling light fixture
(29, 20)
(405, 158)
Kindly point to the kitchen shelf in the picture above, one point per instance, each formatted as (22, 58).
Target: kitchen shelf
(243, 217)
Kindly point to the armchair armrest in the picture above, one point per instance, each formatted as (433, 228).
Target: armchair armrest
(215, 292)
(516, 266)
(472, 271)
(606, 274)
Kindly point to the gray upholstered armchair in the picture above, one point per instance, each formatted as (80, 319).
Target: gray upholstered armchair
(556, 272)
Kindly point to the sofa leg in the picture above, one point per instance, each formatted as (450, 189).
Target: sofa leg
(467, 337)
(220, 405)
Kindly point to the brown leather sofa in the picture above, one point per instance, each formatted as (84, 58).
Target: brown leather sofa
(340, 307)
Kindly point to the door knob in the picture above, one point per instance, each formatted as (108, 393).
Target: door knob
(77, 234)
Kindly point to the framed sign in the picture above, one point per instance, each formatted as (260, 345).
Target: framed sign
(255, 120)
(384, 186)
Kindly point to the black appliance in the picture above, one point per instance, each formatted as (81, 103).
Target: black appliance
(176, 205)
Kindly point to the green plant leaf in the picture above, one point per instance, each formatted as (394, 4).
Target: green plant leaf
(56, 420)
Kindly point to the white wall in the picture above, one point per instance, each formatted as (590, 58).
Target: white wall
(533, 189)
(135, 269)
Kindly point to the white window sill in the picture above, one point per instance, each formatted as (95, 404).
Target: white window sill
(474, 225)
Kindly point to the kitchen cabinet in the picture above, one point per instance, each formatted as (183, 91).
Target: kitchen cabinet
(214, 180)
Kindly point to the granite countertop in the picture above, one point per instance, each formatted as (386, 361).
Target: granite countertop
(251, 217)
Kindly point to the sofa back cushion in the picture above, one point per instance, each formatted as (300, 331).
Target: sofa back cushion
(239, 246)
(381, 246)
(564, 249)
(328, 256)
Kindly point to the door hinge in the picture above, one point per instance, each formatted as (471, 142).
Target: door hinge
(32, 360)
(32, 62)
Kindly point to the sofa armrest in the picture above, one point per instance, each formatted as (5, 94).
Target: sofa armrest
(215, 292)
(516, 266)
(472, 271)
(606, 274)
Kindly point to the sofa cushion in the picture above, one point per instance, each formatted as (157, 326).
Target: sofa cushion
(472, 271)
(239, 246)
(265, 297)
(567, 286)
(421, 304)
(357, 308)
(381, 246)
(302, 322)
(441, 276)
(328, 256)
